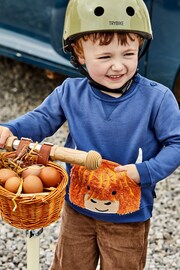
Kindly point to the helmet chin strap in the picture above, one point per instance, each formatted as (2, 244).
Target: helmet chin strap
(120, 90)
(84, 72)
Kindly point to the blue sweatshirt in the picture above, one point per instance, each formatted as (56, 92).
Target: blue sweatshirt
(146, 117)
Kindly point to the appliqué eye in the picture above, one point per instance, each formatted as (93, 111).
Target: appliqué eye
(108, 203)
(93, 201)
(88, 187)
(114, 192)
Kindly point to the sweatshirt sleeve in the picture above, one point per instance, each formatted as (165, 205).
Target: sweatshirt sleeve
(41, 122)
(167, 129)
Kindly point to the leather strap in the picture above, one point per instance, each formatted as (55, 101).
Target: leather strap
(44, 153)
(24, 142)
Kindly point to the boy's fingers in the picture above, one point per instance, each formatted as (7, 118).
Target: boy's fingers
(4, 134)
(120, 168)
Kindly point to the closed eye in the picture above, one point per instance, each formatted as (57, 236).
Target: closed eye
(104, 57)
(108, 203)
(93, 201)
(129, 54)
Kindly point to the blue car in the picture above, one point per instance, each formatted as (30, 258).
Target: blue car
(31, 32)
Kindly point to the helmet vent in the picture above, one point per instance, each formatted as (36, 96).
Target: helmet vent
(130, 11)
(99, 11)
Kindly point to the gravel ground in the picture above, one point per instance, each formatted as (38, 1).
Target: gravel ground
(22, 88)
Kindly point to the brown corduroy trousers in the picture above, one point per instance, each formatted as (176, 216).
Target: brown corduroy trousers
(83, 240)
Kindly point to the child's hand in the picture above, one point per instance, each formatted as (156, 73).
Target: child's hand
(4, 134)
(131, 171)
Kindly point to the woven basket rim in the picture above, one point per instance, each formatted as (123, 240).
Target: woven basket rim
(30, 212)
(4, 192)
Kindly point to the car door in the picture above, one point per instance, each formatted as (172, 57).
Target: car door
(163, 58)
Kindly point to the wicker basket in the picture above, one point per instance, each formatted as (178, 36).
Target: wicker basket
(34, 211)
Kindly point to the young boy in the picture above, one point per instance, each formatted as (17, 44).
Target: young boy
(116, 112)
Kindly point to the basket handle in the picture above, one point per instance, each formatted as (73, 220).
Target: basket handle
(91, 160)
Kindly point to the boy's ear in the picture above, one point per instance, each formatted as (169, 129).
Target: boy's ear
(79, 55)
(81, 60)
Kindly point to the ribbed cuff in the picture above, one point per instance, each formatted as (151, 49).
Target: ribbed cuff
(145, 178)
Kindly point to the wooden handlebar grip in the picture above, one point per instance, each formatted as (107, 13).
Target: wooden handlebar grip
(9, 143)
(92, 159)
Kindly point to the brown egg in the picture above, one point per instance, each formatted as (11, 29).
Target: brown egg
(33, 169)
(5, 174)
(32, 184)
(12, 184)
(50, 177)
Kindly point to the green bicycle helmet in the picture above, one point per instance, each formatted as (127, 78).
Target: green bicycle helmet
(85, 16)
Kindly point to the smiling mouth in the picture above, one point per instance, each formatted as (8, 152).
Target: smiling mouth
(101, 210)
(114, 77)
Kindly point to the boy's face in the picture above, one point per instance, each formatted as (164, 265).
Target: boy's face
(111, 65)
